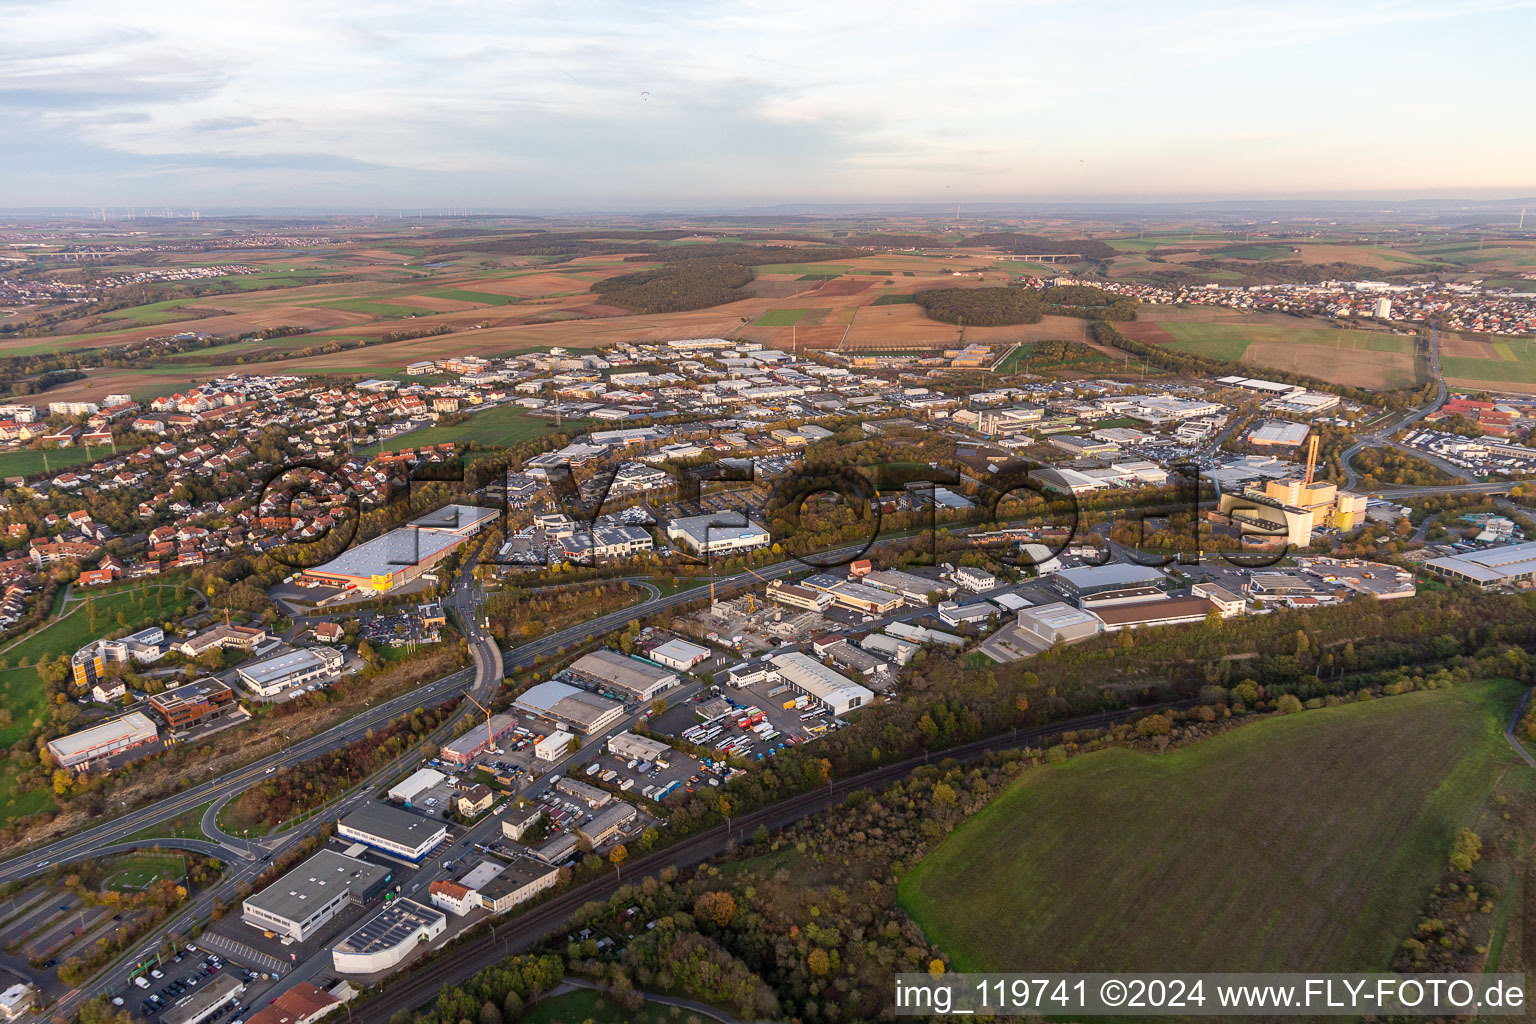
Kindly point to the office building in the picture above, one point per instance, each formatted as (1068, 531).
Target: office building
(401, 833)
(272, 676)
(79, 750)
(298, 904)
(388, 938)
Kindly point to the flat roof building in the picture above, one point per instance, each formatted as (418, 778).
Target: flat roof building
(302, 901)
(678, 654)
(839, 693)
(79, 749)
(519, 881)
(421, 781)
(201, 1003)
(1091, 579)
(388, 938)
(399, 556)
(188, 705)
(561, 702)
(607, 823)
(1059, 622)
(1508, 565)
(392, 830)
(717, 533)
(1173, 611)
(642, 748)
(272, 676)
(1279, 434)
(480, 738)
(632, 677)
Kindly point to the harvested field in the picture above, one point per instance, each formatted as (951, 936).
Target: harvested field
(842, 286)
(1359, 368)
(899, 327)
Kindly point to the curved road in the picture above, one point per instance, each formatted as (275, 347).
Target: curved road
(1383, 435)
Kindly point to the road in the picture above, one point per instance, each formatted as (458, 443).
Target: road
(1383, 435)
(415, 988)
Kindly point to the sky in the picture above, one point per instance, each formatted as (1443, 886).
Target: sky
(634, 106)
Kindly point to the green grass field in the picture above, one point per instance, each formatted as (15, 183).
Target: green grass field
(21, 691)
(897, 299)
(187, 825)
(140, 870)
(1516, 364)
(464, 295)
(1207, 338)
(375, 308)
(1305, 842)
(27, 461)
(502, 425)
(781, 317)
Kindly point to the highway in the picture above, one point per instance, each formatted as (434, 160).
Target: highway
(1383, 435)
(417, 987)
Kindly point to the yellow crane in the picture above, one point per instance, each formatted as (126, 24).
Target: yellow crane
(751, 601)
(490, 739)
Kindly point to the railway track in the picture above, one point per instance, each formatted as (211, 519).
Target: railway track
(415, 989)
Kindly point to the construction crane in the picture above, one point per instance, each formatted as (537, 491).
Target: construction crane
(1311, 460)
(490, 738)
(751, 601)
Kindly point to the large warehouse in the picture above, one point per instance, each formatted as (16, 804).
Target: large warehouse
(465, 748)
(272, 676)
(809, 676)
(645, 748)
(1096, 579)
(1059, 622)
(299, 903)
(1511, 564)
(392, 830)
(399, 556)
(79, 749)
(718, 533)
(631, 677)
(561, 702)
(384, 941)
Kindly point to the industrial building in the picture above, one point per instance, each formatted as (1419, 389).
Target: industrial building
(1294, 507)
(1509, 565)
(912, 588)
(578, 790)
(401, 555)
(1059, 623)
(642, 748)
(796, 596)
(868, 600)
(608, 823)
(203, 1002)
(480, 738)
(561, 702)
(189, 705)
(390, 936)
(718, 533)
(421, 781)
(1164, 612)
(833, 689)
(678, 654)
(519, 881)
(80, 749)
(401, 833)
(272, 676)
(1095, 579)
(1279, 434)
(635, 679)
(302, 901)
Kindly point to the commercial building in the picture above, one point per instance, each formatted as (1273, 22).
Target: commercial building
(1279, 434)
(480, 738)
(953, 613)
(1509, 565)
(796, 596)
(554, 746)
(678, 654)
(399, 556)
(868, 600)
(204, 1001)
(17, 1001)
(633, 678)
(1166, 612)
(455, 897)
(718, 533)
(833, 689)
(518, 820)
(385, 941)
(561, 702)
(1094, 579)
(605, 542)
(1059, 623)
(578, 790)
(272, 676)
(80, 749)
(421, 781)
(222, 636)
(911, 588)
(302, 901)
(189, 705)
(406, 835)
(519, 881)
(1226, 602)
(642, 748)
(607, 823)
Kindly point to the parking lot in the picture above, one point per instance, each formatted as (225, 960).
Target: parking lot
(173, 979)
